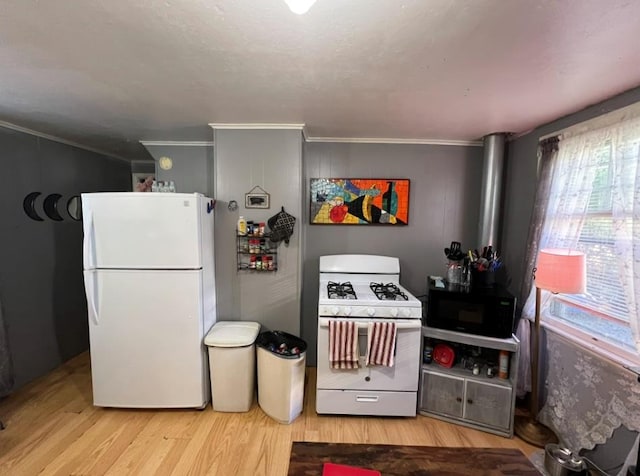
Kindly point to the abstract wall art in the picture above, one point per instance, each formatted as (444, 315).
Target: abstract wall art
(348, 201)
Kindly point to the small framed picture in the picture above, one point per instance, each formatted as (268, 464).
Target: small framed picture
(256, 200)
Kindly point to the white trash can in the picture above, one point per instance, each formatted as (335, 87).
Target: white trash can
(281, 373)
(232, 364)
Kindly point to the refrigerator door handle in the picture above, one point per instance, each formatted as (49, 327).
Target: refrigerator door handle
(91, 291)
(88, 245)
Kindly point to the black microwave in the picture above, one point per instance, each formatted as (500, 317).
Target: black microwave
(482, 311)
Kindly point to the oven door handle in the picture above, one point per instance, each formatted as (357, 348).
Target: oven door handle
(404, 324)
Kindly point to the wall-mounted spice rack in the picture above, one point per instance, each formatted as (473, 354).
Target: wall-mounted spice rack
(256, 252)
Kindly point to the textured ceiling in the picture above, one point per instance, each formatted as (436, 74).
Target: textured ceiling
(109, 73)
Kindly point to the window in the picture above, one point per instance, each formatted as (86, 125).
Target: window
(593, 207)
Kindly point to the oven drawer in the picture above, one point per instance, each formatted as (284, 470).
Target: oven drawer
(354, 402)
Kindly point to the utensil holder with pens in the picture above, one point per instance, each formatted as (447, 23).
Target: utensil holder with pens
(483, 279)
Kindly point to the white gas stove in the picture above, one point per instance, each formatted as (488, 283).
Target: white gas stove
(366, 289)
(365, 295)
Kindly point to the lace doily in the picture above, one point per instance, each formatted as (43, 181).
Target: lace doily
(588, 396)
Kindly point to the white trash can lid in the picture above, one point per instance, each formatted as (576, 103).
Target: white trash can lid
(232, 334)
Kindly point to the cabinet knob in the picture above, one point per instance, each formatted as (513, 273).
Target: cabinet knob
(458, 399)
(469, 401)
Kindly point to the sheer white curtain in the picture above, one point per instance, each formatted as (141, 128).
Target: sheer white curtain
(627, 159)
(588, 397)
(573, 185)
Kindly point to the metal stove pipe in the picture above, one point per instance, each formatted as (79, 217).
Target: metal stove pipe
(490, 198)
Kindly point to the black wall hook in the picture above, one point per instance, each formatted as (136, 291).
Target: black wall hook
(29, 206)
(51, 206)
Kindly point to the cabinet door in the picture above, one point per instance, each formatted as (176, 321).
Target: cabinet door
(442, 394)
(488, 404)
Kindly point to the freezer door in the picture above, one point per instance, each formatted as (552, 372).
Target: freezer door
(146, 339)
(143, 230)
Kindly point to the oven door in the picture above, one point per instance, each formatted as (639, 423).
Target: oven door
(403, 376)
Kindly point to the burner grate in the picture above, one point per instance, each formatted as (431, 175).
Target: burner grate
(388, 292)
(341, 290)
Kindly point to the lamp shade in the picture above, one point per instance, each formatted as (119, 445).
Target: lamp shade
(561, 271)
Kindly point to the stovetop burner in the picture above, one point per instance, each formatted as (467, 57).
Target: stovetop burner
(341, 290)
(388, 292)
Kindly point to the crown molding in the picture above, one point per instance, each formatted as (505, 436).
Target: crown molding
(600, 120)
(363, 140)
(14, 127)
(353, 140)
(184, 143)
(216, 125)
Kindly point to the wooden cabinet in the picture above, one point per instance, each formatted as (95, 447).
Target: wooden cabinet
(442, 394)
(478, 399)
(488, 404)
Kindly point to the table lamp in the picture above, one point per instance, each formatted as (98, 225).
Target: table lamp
(559, 271)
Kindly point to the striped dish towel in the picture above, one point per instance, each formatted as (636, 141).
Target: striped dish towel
(343, 344)
(381, 343)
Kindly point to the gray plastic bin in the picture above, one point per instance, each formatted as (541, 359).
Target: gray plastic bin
(232, 365)
(281, 372)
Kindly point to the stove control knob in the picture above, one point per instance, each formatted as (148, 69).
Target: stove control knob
(335, 310)
(393, 311)
(347, 311)
(370, 312)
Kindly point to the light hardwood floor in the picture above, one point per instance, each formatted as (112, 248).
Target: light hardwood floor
(52, 428)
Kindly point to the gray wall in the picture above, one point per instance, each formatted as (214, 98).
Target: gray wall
(192, 166)
(271, 159)
(443, 206)
(41, 284)
(143, 166)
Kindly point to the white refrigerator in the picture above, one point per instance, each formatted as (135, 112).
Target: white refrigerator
(149, 279)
